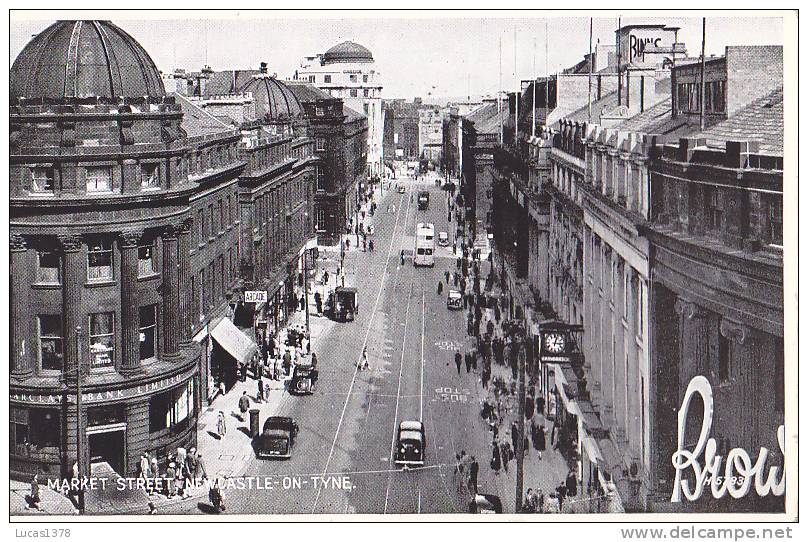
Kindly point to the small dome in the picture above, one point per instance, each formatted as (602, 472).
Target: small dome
(272, 98)
(347, 51)
(84, 59)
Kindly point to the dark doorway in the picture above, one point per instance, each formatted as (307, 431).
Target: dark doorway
(108, 448)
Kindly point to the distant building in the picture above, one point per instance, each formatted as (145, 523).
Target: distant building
(401, 130)
(430, 133)
(348, 71)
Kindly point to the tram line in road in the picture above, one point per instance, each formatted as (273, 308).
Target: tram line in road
(364, 345)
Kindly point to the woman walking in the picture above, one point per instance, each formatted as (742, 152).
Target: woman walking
(221, 425)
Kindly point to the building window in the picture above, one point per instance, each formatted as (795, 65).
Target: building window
(776, 220)
(326, 79)
(354, 93)
(365, 105)
(211, 224)
(320, 143)
(353, 78)
(320, 179)
(312, 78)
(49, 267)
(145, 259)
(320, 226)
(724, 354)
(42, 180)
(35, 429)
(172, 409)
(99, 179)
(148, 332)
(200, 224)
(149, 175)
(366, 93)
(221, 216)
(51, 342)
(99, 261)
(102, 340)
(716, 210)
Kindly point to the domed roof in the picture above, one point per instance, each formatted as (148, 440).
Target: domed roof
(347, 51)
(82, 59)
(272, 98)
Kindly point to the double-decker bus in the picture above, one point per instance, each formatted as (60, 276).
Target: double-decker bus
(424, 244)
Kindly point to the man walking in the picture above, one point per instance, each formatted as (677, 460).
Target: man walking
(474, 469)
(469, 361)
(243, 404)
(458, 361)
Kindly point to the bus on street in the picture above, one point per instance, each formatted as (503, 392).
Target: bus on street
(424, 244)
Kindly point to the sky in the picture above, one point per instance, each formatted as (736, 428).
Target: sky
(439, 54)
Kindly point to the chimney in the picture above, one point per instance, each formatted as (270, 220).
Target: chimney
(263, 67)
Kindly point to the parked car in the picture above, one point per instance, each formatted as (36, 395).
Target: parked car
(277, 438)
(485, 503)
(304, 380)
(342, 303)
(443, 239)
(411, 447)
(454, 301)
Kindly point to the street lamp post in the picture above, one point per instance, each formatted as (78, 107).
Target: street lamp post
(306, 288)
(79, 423)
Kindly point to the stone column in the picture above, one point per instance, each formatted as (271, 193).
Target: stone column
(185, 318)
(73, 280)
(695, 341)
(20, 287)
(171, 296)
(130, 306)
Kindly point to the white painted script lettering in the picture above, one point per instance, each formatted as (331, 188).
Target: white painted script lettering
(738, 470)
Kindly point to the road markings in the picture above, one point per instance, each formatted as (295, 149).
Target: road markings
(398, 395)
(423, 324)
(364, 344)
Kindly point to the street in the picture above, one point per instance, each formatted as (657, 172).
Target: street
(348, 427)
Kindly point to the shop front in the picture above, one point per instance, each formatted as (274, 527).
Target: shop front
(232, 350)
(118, 425)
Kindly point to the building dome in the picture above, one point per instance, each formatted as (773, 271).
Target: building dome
(272, 98)
(347, 51)
(84, 59)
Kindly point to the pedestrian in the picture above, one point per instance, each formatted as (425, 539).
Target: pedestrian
(243, 372)
(155, 469)
(278, 369)
(506, 454)
(515, 435)
(364, 244)
(221, 425)
(469, 361)
(143, 466)
(447, 275)
(474, 470)
(314, 360)
(458, 361)
(318, 302)
(370, 245)
(170, 478)
(260, 394)
(192, 465)
(440, 287)
(402, 256)
(243, 404)
(496, 458)
(287, 363)
(35, 498)
(528, 507)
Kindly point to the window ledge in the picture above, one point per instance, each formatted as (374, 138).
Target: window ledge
(102, 370)
(99, 283)
(150, 276)
(47, 285)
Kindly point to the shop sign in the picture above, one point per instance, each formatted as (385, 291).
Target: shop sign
(738, 474)
(255, 296)
(103, 396)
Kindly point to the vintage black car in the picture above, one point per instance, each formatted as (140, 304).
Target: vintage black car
(277, 438)
(454, 301)
(304, 380)
(411, 447)
(342, 304)
(423, 200)
(485, 503)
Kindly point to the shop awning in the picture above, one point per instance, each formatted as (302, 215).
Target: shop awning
(234, 341)
(592, 450)
(561, 383)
